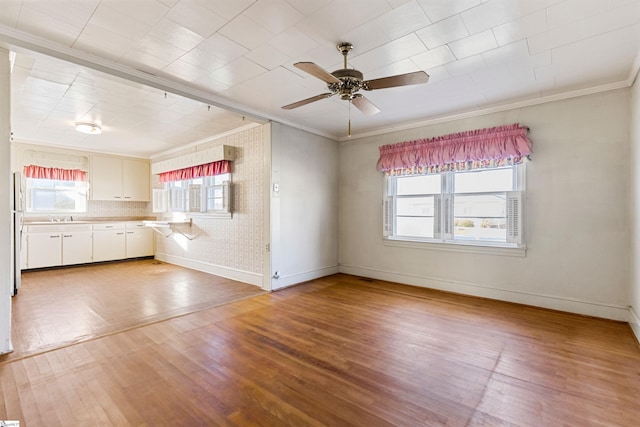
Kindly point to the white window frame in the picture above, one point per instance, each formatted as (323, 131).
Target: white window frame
(191, 196)
(443, 220)
(80, 187)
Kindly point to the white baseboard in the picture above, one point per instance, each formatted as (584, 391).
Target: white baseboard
(218, 270)
(293, 279)
(634, 321)
(605, 311)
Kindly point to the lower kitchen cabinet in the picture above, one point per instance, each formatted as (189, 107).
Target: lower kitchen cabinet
(109, 242)
(55, 245)
(139, 240)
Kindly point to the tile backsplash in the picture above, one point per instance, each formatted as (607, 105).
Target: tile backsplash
(100, 208)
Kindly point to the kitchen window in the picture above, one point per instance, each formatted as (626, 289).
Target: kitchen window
(208, 194)
(479, 207)
(55, 196)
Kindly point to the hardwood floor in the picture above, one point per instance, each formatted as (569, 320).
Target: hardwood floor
(338, 351)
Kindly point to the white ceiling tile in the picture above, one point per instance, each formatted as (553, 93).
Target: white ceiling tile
(400, 67)
(149, 12)
(293, 42)
(222, 47)
(185, 71)
(472, 45)
(438, 10)
(521, 28)
(437, 73)
(41, 24)
(574, 64)
(10, 12)
(176, 35)
(193, 15)
(274, 15)
(490, 14)
(443, 32)
(267, 56)
(245, 32)
(169, 3)
(466, 66)
(104, 42)
(434, 57)
(142, 60)
(72, 12)
(364, 38)
(159, 48)
(573, 10)
(341, 17)
(402, 20)
(585, 28)
(114, 21)
(394, 51)
(228, 9)
(511, 52)
(307, 7)
(397, 3)
(237, 72)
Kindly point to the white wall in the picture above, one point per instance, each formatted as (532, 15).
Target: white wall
(232, 248)
(6, 282)
(304, 210)
(634, 318)
(577, 213)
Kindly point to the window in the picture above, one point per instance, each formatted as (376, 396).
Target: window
(209, 194)
(55, 196)
(482, 206)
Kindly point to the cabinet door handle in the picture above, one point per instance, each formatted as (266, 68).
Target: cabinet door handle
(127, 197)
(117, 197)
(54, 237)
(67, 235)
(129, 232)
(119, 234)
(108, 226)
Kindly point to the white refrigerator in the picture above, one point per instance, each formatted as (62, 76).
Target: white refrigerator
(17, 213)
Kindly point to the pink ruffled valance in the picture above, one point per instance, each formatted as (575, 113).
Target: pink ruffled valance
(483, 148)
(40, 172)
(209, 169)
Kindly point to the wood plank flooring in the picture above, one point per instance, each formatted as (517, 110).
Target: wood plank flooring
(55, 307)
(339, 351)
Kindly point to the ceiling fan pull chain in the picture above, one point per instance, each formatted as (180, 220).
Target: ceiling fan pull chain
(349, 123)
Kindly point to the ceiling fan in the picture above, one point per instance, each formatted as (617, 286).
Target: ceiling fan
(347, 82)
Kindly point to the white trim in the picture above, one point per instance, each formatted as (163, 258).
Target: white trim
(464, 247)
(218, 270)
(293, 279)
(606, 311)
(634, 322)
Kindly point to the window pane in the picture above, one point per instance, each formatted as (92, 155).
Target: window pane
(414, 226)
(423, 184)
(481, 217)
(415, 206)
(484, 181)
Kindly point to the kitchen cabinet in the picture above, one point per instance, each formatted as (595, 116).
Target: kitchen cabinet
(122, 179)
(139, 240)
(109, 242)
(55, 245)
(44, 248)
(77, 245)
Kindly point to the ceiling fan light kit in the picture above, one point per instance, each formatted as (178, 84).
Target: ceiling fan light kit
(347, 82)
(88, 128)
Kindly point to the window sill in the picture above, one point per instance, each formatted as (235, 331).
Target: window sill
(466, 247)
(187, 215)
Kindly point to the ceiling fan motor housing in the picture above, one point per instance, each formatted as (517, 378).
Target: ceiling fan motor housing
(350, 83)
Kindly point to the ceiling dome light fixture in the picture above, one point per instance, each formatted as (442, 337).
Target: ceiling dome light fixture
(88, 128)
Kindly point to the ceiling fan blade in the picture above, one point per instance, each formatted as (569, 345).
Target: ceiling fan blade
(414, 78)
(317, 71)
(364, 105)
(308, 101)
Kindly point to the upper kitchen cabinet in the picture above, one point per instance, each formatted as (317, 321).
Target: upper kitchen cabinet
(117, 178)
